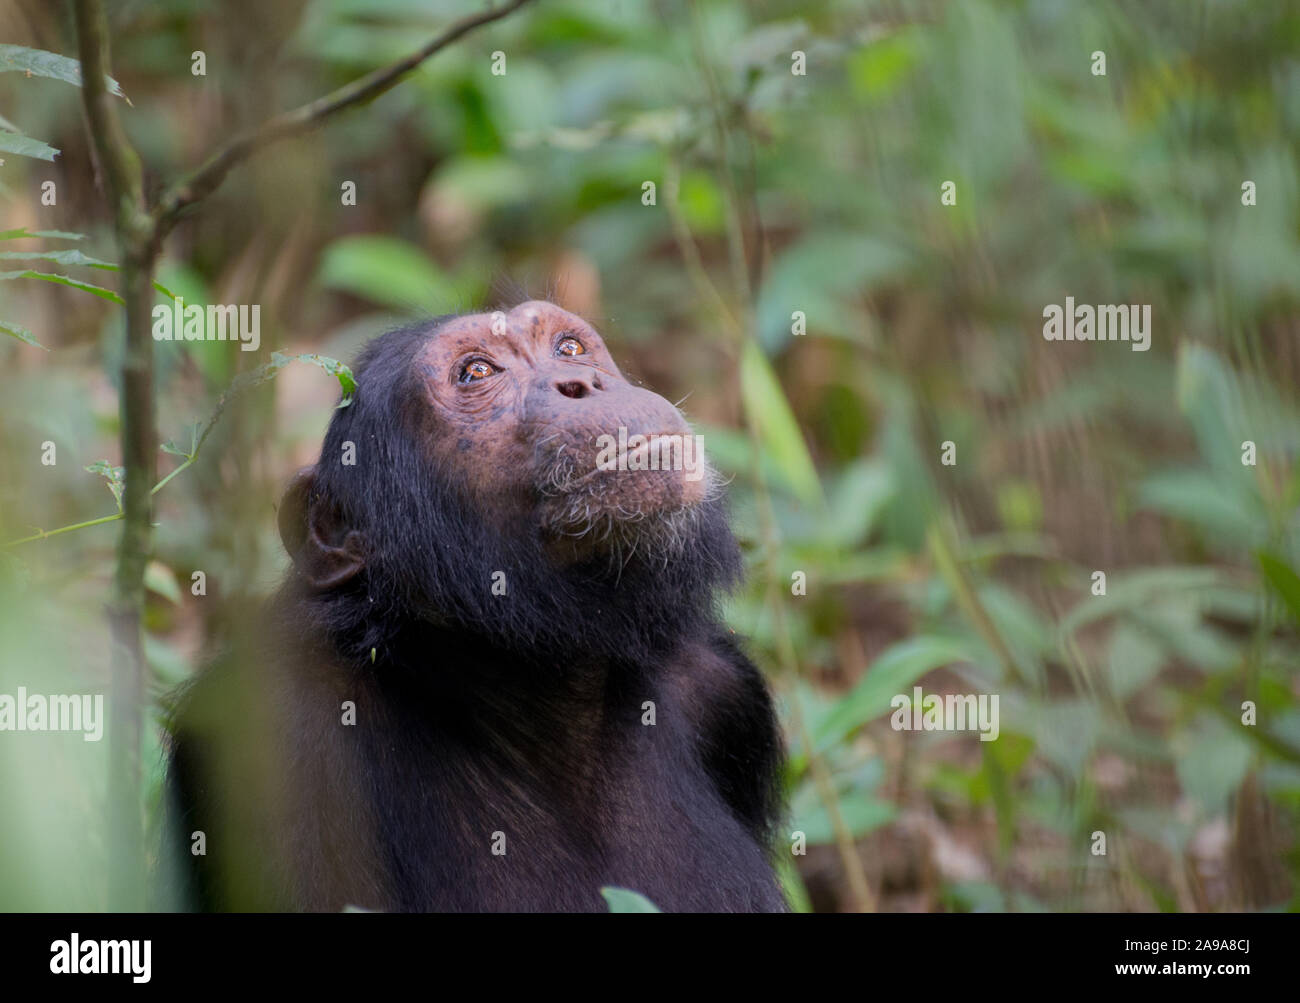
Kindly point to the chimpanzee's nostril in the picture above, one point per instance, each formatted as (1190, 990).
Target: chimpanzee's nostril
(573, 388)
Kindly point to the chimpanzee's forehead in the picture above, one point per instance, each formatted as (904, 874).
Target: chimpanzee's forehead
(534, 318)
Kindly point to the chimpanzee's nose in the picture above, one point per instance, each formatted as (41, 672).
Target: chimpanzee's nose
(579, 386)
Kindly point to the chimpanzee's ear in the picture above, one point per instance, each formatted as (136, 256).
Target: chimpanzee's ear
(324, 551)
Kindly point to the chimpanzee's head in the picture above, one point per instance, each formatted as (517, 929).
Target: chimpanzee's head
(519, 405)
(496, 471)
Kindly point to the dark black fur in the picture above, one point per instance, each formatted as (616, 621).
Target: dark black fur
(479, 714)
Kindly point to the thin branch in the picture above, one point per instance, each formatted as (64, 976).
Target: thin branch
(138, 240)
(205, 180)
(117, 160)
(45, 534)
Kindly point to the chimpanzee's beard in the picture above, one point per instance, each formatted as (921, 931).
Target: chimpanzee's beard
(576, 571)
(587, 513)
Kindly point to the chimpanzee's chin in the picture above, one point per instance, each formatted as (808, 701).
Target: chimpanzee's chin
(615, 543)
(627, 507)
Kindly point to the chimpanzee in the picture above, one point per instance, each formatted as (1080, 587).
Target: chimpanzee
(495, 679)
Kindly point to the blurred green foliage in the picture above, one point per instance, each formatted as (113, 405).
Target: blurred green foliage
(1120, 713)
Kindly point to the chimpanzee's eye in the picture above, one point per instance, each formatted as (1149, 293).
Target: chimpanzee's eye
(476, 369)
(570, 346)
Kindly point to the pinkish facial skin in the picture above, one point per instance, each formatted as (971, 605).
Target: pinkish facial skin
(518, 403)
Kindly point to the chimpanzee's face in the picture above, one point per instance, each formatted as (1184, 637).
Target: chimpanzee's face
(528, 410)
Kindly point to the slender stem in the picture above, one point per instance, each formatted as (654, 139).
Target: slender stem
(969, 602)
(42, 534)
(138, 244)
(159, 486)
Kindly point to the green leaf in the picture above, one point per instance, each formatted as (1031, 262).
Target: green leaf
(893, 673)
(1136, 590)
(1212, 760)
(823, 275)
(171, 447)
(482, 183)
(1134, 659)
(22, 233)
(792, 886)
(72, 257)
(69, 257)
(161, 579)
(1018, 622)
(1227, 511)
(1066, 732)
(279, 360)
(115, 476)
(21, 333)
(626, 900)
(879, 67)
(63, 280)
(1211, 397)
(39, 63)
(387, 271)
(861, 813)
(25, 146)
(1178, 623)
(778, 431)
(1284, 581)
(856, 500)
(157, 285)
(914, 503)
(335, 368)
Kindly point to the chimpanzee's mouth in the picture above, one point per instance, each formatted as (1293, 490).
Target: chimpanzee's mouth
(643, 453)
(632, 489)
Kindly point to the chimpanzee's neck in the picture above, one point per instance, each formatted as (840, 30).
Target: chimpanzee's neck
(470, 687)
